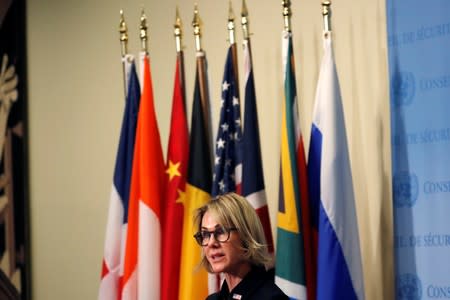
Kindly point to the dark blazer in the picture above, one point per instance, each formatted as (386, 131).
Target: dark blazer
(258, 284)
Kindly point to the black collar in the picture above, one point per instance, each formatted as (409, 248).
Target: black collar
(247, 286)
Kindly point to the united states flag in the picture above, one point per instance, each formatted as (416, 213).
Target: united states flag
(228, 154)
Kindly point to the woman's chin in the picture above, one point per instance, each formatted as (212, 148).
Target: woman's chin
(217, 268)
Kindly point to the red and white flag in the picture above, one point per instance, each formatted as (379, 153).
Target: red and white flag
(142, 266)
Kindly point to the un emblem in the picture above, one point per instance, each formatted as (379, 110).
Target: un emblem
(406, 189)
(409, 287)
(403, 88)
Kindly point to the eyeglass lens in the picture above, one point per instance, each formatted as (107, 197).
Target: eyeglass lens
(221, 234)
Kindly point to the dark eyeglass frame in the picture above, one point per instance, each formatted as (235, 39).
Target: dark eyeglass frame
(203, 239)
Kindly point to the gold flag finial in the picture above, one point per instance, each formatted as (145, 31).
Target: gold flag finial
(230, 26)
(326, 13)
(123, 30)
(178, 31)
(143, 32)
(245, 21)
(197, 24)
(287, 13)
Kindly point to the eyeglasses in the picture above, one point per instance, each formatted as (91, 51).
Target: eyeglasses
(221, 234)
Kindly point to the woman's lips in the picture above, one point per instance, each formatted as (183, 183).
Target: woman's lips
(216, 256)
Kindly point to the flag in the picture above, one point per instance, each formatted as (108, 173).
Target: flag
(228, 154)
(339, 270)
(293, 269)
(194, 281)
(143, 246)
(253, 187)
(116, 228)
(176, 170)
(227, 175)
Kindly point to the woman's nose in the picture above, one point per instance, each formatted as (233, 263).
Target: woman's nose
(212, 240)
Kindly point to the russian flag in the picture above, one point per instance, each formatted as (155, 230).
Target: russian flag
(340, 273)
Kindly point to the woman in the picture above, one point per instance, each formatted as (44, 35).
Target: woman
(233, 243)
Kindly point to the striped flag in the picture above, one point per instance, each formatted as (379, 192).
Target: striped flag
(143, 246)
(253, 187)
(228, 155)
(292, 243)
(176, 171)
(194, 281)
(339, 271)
(116, 228)
(228, 151)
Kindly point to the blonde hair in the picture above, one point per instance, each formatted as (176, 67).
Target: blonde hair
(233, 210)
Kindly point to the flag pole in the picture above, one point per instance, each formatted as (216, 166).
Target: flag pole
(201, 67)
(231, 35)
(326, 13)
(143, 54)
(196, 24)
(143, 32)
(123, 30)
(178, 33)
(245, 22)
(287, 13)
(232, 40)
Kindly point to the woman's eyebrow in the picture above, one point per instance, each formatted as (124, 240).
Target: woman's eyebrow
(207, 228)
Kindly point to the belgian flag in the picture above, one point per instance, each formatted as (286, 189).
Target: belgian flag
(193, 280)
